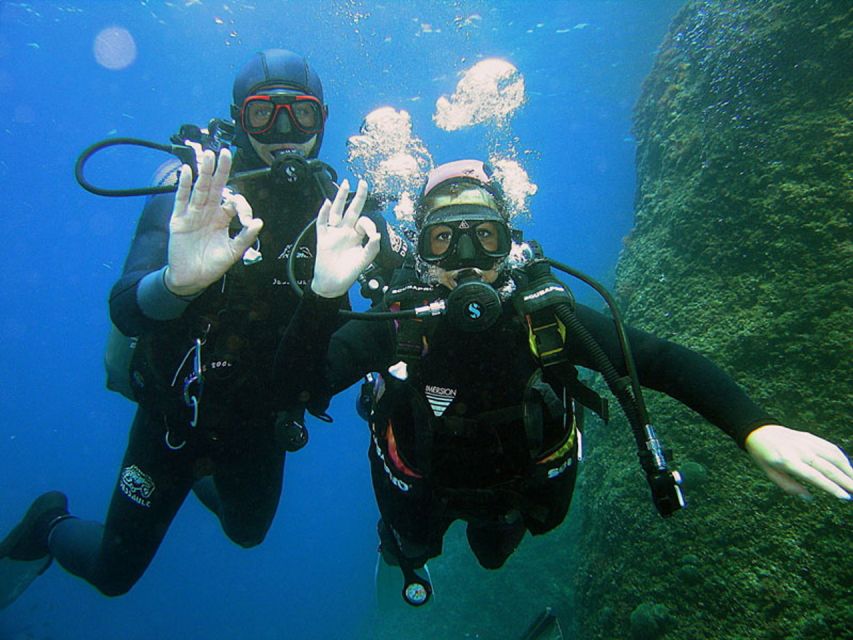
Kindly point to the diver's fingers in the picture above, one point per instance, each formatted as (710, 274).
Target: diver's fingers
(803, 470)
(801, 456)
(809, 474)
(838, 466)
(818, 462)
(201, 189)
(241, 207)
(354, 209)
(198, 149)
(220, 176)
(366, 227)
(336, 212)
(831, 478)
(788, 484)
(182, 195)
(247, 236)
(323, 213)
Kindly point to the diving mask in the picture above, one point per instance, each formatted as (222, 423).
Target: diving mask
(282, 115)
(464, 236)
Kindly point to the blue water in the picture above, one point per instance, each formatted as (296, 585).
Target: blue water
(583, 63)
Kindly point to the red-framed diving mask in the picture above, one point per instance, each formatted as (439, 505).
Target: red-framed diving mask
(282, 115)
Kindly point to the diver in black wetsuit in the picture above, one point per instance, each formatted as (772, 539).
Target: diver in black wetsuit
(208, 324)
(473, 425)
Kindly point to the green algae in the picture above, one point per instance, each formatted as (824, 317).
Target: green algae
(742, 249)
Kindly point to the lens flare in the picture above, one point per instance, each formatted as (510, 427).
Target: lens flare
(114, 48)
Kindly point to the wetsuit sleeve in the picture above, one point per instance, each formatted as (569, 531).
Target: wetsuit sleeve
(314, 361)
(677, 371)
(139, 301)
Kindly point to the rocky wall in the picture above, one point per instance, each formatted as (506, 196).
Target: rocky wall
(742, 249)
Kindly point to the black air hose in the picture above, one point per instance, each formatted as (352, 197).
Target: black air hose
(617, 384)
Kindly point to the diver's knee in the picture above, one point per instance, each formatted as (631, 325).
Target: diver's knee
(246, 538)
(491, 561)
(114, 590)
(115, 586)
(248, 543)
(494, 543)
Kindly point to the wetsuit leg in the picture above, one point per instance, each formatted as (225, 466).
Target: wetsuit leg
(545, 504)
(408, 513)
(151, 487)
(549, 499)
(246, 485)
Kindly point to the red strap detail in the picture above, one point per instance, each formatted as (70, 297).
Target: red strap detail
(395, 456)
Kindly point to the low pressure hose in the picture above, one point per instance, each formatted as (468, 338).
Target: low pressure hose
(184, 153)
(378, 315)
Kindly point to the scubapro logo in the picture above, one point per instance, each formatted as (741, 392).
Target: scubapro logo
(402, 486)
(475, 310)
(137, 485)
(543, 292)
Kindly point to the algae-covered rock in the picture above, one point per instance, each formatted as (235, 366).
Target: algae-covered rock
(694, 474)
(648, 621)
(741, 250)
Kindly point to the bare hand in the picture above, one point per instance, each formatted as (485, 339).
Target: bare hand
(792, 457)
(341, 252)
(201, 248)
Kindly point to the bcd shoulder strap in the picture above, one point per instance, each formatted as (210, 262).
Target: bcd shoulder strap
(407, 292)
(535, 303)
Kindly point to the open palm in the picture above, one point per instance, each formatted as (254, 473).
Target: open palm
(201, 248)
(342, 253)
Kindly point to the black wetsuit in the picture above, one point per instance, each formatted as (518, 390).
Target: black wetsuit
(454, 440)
(239, 320)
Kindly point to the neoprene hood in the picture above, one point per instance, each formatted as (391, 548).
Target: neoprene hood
(273, 68)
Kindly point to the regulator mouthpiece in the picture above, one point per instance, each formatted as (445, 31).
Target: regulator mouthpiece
(473, 305)
(289, 168)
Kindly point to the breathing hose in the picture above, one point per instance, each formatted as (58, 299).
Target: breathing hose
(183, 152)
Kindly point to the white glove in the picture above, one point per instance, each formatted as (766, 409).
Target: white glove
(790, 457)
(342, 253)
(201, 248)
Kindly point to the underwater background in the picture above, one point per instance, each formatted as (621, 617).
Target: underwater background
(705, 147)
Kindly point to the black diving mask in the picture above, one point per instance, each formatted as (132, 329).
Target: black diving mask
(464, 237)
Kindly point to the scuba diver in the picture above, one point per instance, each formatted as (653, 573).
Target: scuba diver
(204, 293)
(474, 411)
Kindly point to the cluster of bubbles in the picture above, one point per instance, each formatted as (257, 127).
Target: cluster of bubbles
(394, 160)
(490, 91)
(390, 157)
(516, 184)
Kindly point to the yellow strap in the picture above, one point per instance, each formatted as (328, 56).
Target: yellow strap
(566, 448)
(531, 336)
